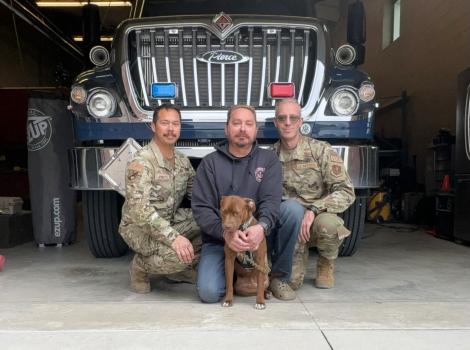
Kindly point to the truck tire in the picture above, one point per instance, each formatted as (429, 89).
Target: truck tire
(101, 217)
(354, 219)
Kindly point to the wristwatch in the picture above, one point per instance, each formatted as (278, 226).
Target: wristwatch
(265, 227)
(315, 210)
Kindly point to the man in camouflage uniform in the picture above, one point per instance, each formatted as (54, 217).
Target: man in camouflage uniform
(165, 238)
(315, 177)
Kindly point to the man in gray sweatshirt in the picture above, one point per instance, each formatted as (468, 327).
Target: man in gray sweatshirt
(240, 167)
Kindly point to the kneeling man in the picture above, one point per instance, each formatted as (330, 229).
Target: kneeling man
(316, 180)
(165, 238)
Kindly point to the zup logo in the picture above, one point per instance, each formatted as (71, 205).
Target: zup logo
(39, 130)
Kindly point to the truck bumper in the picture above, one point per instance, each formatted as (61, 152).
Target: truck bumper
(85, 163)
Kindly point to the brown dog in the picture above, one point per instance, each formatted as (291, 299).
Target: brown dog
(237, 212)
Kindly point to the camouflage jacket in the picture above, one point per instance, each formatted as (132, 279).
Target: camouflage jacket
(314, 174)
(154, 191)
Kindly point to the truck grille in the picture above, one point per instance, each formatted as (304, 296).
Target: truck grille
(276, 55)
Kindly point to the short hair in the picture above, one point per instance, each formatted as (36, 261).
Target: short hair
(285, 100)
(236, 107)
(165, 106)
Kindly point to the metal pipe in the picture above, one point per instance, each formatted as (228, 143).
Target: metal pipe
(57, 37)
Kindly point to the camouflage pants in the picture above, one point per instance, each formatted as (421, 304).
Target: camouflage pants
(159, 258)
(327, 233)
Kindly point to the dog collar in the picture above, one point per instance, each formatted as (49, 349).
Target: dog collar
(247, 224)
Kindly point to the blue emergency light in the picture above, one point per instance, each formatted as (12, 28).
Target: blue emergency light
(163, 91)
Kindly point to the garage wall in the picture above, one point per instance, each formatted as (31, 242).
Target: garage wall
(433, 47)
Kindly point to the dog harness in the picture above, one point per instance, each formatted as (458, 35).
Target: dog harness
(246, 259)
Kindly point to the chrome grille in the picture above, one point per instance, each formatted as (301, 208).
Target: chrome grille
(276, 55)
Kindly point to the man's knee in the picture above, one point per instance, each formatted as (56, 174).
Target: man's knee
(210, 292)
(291, 211)
(326, 228)
(326, 225)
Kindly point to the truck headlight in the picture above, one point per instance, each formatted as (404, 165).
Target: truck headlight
(345, 55)
(101, 104)
(344, 101)
(367, 92)
(78, 94)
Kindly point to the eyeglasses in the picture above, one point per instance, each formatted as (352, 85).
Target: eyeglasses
(283, 118)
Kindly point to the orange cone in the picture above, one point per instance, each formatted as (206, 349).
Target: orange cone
(2, 262)
(445, 186)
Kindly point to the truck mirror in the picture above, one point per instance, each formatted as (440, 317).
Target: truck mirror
(360, 54)
(356, 23)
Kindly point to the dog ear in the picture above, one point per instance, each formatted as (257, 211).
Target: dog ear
(251, 204)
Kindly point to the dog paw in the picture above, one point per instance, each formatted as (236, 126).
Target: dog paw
(268, 294)
(259, 306)
(227, 303)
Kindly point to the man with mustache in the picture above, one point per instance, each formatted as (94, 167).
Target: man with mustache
(240, 167)
(165, 238)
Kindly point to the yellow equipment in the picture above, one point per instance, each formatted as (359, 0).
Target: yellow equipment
(379, 207)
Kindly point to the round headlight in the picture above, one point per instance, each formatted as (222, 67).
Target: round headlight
(344, 102)
(78, 94)
(367, 92)
(99, 56)
(345, 55)
(101, 104)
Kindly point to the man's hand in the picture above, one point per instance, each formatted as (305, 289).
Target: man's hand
(236, 240)
(254, 235)
(304, 234)
(183, 247)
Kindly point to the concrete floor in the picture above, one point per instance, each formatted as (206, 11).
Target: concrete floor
(402, 290)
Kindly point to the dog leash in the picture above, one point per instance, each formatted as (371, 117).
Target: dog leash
(246, 258)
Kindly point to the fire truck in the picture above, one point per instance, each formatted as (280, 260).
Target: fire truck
(205, 63)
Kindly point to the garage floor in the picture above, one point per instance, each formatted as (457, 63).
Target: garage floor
(403, 290)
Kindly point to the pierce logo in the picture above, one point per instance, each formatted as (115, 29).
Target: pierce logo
(222, 57)
(39, 130)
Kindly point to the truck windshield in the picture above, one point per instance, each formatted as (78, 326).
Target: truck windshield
(200, 7)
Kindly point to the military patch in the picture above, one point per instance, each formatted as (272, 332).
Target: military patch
(336, 170)
(136, 166)
(259, 173)
(308, 165)
(162, 177)
(334, 157)
(134, 169)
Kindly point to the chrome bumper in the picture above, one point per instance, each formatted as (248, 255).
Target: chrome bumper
(85, 162)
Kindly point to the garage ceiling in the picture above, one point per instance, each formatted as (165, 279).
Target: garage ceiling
(67, 14)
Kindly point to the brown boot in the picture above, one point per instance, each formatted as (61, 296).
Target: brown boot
(299, 266)
(140, 282)
(325, 270)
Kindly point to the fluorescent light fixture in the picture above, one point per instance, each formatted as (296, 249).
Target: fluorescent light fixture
(79, 38)
(82, 3)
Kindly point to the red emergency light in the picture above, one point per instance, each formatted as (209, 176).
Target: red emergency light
(281, 90)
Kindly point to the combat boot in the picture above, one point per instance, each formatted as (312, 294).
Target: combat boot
(325, 270)
(140, 281)
(299, 265)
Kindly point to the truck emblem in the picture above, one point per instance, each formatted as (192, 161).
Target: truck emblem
(222, 57)
(222, 21)
(39, 130)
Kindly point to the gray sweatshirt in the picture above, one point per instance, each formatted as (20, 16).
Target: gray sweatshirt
(257, 176)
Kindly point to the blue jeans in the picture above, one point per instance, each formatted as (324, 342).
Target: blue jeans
(211, 273)
(281, 243)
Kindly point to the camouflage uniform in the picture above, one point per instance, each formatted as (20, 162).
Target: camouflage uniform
(314, 175)
(151, 219)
